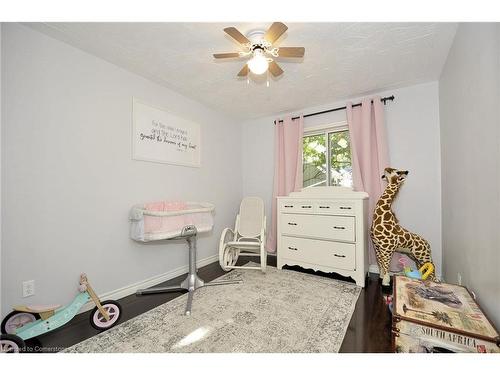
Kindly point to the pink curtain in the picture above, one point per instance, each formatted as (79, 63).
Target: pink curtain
(287, 166)
(370, 155)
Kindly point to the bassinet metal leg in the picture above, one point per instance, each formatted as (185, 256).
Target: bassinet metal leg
(189, 302)
(192, 281)
(223, 282)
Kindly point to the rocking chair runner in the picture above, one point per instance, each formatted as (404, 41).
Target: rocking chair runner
(248, 237)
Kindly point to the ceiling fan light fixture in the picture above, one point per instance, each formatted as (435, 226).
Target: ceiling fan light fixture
(258, 64)
(258, 45)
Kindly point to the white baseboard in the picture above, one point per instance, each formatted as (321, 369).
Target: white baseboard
(148, 283)
(373, 268)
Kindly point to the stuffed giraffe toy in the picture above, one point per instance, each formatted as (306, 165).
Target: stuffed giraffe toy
(388, 236)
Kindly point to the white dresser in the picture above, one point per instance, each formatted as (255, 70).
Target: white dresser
(325, 229)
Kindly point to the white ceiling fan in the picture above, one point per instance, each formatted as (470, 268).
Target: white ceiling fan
(259, 45)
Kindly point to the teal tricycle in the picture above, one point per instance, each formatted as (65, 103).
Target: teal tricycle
(26, 322)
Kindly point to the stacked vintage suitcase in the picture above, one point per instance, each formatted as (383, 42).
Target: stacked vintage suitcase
(439, 317)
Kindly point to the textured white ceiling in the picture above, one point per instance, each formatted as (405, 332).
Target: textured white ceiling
(341, 60)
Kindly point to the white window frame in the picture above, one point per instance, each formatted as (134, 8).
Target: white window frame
(325, 129)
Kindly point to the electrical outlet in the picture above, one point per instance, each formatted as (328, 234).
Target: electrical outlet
(459, 278)
(28, 288)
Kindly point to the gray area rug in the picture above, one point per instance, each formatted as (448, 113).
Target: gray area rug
(281, 311)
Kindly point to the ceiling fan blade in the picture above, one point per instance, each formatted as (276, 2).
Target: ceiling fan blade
(244, 71)
(276, 30)
(291, 51)
(226, 55)
(275, 69)
(236, 35)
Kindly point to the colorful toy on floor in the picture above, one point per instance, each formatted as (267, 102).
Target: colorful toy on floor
(26, 322)
(388, 301)
(389, 236)
(422, 273)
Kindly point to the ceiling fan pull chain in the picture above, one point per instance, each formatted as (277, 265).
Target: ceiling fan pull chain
(267, 83)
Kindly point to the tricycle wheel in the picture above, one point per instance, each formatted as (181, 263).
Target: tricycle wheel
(11, 344)
(17, 319)
(98, 321)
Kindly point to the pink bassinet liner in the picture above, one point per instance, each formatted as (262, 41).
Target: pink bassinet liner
(159, 224)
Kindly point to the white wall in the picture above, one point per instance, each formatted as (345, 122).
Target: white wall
(68, 179)
(413, 129)
(469, 97)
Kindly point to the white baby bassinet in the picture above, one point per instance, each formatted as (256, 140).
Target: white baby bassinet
(164, 220)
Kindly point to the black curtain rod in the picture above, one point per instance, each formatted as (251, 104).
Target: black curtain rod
(384, 100)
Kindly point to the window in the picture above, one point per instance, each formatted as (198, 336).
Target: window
(327, 158)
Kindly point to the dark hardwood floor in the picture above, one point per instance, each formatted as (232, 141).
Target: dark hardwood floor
(369, 330)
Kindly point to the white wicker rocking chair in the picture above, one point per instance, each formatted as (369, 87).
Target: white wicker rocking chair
(248, 237)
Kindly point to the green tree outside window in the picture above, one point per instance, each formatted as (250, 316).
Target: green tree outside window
(315, 166)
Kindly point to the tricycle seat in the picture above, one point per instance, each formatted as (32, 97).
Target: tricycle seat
(38, 309)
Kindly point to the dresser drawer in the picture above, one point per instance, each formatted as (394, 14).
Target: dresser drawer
(339, 228)
(318, 207)
(295, 206)
(338, 208)
(331, 254)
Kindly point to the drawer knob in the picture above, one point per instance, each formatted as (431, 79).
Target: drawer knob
(292, 223)
(306, 206)
(345, 208)
(324, 206)
(339, 256)
(292, 248)
(336, 227)
(288, 206)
